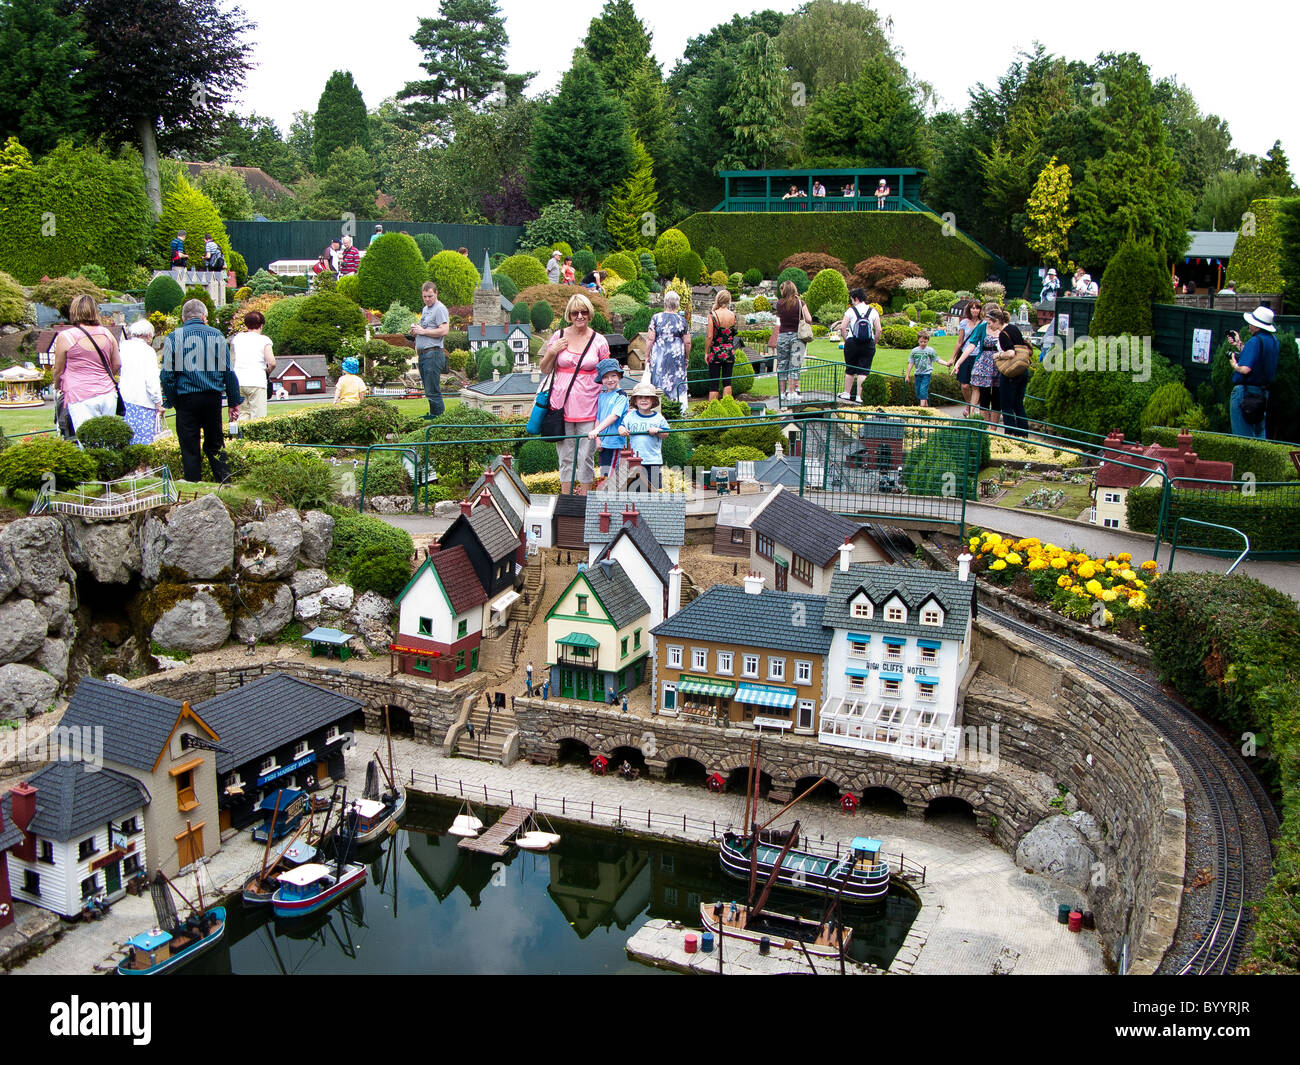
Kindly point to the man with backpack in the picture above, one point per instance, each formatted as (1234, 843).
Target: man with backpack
(1254, 371)
(860, 329)
(213, 258)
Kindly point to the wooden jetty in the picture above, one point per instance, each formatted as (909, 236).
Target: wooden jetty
(498, 839)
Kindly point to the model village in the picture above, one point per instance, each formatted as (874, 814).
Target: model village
(846, 746)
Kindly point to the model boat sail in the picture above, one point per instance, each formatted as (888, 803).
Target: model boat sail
(377, 812)
(466, 824)
(538, 838)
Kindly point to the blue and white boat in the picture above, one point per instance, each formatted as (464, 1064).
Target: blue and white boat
(861, 874)
(314, 887)
(155, 952)
(292, 804)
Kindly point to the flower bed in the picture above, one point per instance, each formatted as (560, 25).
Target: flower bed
(1071, 582)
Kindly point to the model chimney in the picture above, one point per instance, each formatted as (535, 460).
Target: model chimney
(963, 566)
(754, 584)
(466, 507)
(604, 519)
(779, 452)
(482, 330)
(484, 499)
(489, 476)
(631, 514)
(433, 548)
(22, 804)
(605, 566)
(496, 375)
(674, 590)
(508, 461)
(846, 554)
(1189, 464)
(1184, 441)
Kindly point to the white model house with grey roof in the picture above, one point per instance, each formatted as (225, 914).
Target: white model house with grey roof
(607, 512)
(900, 651)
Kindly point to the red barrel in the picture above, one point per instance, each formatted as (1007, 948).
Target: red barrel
(693, 942)
(1076, 921)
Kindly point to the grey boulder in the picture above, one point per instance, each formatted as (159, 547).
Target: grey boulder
(270, 547)
(33, 549)
(25, 691)
(317, 537)
(53, 658)
(22, 630)
(108, 550)
(308, 582)
(195, 622)
(1057, 849)
(272, 611)
(200, 542)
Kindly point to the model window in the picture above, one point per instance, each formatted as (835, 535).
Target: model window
(186, 800)
(636, 640)
(582, 604)
(862, 609)
(929, 654)
(895, 613)
(423, 665)
(132, 826)
(857, 684)
(31, 882)
(426, 626)
(857, 649)
(890, 687)
(925, 693)
(803, 672)
(893, 652)
(86, 849)
(460, 661)
(675, 657)
(496, 408)
(90, 887)
(751, 665)
(763, 545)
(1111, 523)
(333, 734)
(776, 669)
(931, 616)
(301, 750)
(462, 628)
(1112, 497)
(47, 852)
(801, 569)
(268, 763)
(737, 536)
(725, 660)
(699, 658)
(624, 646)
(131, 864)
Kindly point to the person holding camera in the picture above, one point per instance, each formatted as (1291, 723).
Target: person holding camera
(1254, 366)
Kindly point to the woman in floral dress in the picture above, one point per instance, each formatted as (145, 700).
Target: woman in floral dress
(668, 338)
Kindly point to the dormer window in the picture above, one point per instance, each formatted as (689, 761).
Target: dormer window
(862, 608)
(895, 613)
(301, 750)
(268, 763)
(931, 615)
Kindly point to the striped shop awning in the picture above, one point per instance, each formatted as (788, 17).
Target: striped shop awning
(691, 685)
(762, 695)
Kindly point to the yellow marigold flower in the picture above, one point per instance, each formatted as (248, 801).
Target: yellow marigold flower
(1139, 584)
(1109, 617)
(1086, 570)
(999, 564)
(1112, 565)
(1094, 586)
(974, 542)
(1150, 565)
(1110, 595)
(1059, 563)
(1124, 556)
(1036, 564)
(1013, 559)
(1063, 581)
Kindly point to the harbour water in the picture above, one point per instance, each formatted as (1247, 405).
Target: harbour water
(429, 907)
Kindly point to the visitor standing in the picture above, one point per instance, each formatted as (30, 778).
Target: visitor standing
(379, 232)
(349, 258)
(667, 340)
(574, 353)
(566, 271)
(433, 326)
(980, 347)
(350, 389)
(529, 675)
(819, 189)
(195, 372)
(920, 362)
(254, 358)
(645, 428)
(1010, 391)
(611, 406)
(180, 258)
(970, 321)
(1254, 367)
(720, 344)
(1051, 287)
(213, 257)
(790, 310)
(333, 254)
(882, 194)
(85, 360)
(139, 382)
(553, 268)
(861, 331)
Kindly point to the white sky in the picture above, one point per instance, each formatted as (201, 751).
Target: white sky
(1234, 65)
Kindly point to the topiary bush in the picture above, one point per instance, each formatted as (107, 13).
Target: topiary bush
(813, 263)
(360, 535)
(198, 292)
(898, 336)
(637, 290)
(583, 262)
(320, 325)
(293, 478)
(393, 269)
(13, 304)
(714, 261)
(397, 319)
(494, 357)
(762, 303)
(1081, 399)
(1256, 263)
(830, 313)
(240, 266)
(940, 299)
(690, 268)
(558, 297)
(638, 323)
(1167, 404)
(1135, 277)
(428, 243)
(163, 295)
(649, 269)
(264, 282)
(541, 315)
(349, 287)
(707, 456)
(188, 208)
(25, 465)
(933, 467)
(800, 279)
(386, 572)
(669, 248)
(827, 287)
(108, 431)
(538, 456)
(387, 476)
(624, 264)
(455, 276)
(624, 305)
(753, 276)
(505, 286)
(523, 269)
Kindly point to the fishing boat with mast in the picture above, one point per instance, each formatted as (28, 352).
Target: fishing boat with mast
(259, 887)
(315, 887)
(377, 812)
(859, 876)
(172, 943)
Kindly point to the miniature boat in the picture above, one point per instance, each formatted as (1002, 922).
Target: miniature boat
(782, 931)
(537, 841)
(369, 819)
(465, 824)
(155, 952)
(860, 875)
(292, 807)
(312, 888)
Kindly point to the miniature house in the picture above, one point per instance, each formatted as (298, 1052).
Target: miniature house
(598, 635)
(441, 617)
(515, 335)
(607, 512)
(900, 651)
(507, 396)
(302, 375)
(796, 543)
(750, 656)
(494, 548)
(10, 836)
(635, 548)
(1186, 470)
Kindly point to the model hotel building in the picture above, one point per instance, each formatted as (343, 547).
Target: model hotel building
(880, 663)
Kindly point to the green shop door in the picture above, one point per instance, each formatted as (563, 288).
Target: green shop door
(566, 683)
(113, 878)
(584, 684)
(473, 659)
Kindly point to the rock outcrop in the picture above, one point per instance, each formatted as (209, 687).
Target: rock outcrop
(1056, 848)
(200, 541)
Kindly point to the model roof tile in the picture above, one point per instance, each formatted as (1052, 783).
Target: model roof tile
(645, 542)
(136, 724)
(805, 528)
(881, 583)
(616, 592)
(70, 800)
(665, 513)
(496, 536)
(10, 834)
(269, 712)
(458, 578)
(786, 621)
(500, 469)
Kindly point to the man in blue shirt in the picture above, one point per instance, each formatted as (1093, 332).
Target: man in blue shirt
(180, 260)
(195, 372)
(1253, 372)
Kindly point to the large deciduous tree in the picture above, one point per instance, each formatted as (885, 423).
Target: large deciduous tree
(43, 91)
(464, 58)
(340, 119)
(873, 121)
(581, 147)
(163, 72)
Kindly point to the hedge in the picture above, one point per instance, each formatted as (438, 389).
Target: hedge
(1256, 263)
(361, 534)
(77, 205)
(764, 240)
(935, 467)
(828, 287)
(523, 269)
(1266, 460)
(321, 323)
(455, 276)
(164, 294)
(1270, 517)
(369, 422)
(392, 270)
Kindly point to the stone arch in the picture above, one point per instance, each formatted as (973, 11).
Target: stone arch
(953, 791)
(557, 733)
(730, 762)
(875, 778)
(833, 773)
(623, 739)
(683, 750)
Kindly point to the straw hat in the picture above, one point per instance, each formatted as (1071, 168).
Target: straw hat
(645, 388)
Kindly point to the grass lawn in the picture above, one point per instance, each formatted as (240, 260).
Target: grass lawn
(1078, 497)
(887, 360)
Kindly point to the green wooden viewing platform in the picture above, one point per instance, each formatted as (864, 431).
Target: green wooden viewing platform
(763, 190)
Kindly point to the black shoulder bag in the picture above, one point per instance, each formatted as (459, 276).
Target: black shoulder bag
(121, 404)
(553, 420)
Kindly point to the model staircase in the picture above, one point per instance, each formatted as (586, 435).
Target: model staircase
(689, 591)
(525, 607)
(490, 732)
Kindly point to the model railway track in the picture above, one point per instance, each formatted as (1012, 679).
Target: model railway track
(1242, 816)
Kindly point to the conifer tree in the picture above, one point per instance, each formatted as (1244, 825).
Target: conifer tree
(618, 43)
(43, 90)
(634, 199)
(758, 94)
(1048, 230)
(340, 119)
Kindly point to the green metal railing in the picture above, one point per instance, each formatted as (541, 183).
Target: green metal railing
(1173, 543)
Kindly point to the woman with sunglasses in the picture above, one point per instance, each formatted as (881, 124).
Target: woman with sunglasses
(574, 353)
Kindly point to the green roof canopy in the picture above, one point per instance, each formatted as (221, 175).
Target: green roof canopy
(691, 685)
(579, 639)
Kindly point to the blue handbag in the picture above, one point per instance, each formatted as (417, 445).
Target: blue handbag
(541, 404)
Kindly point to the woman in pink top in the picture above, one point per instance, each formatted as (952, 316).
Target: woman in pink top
(82, 373)
(574, 353)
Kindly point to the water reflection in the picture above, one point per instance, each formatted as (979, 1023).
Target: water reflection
(430, 907)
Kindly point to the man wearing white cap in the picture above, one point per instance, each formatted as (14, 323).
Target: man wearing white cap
(1090, 286)
(1051, 286)
(1253, 372)
(553, 268)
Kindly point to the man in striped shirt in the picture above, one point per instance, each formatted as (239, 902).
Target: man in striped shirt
(350, 259)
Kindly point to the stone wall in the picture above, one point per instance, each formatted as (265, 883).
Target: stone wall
(432, 709)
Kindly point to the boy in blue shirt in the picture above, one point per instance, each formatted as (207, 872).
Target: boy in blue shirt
(611, 406)
(921, 362)
(645, 427)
